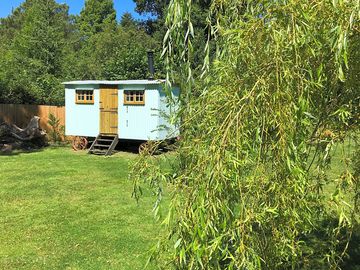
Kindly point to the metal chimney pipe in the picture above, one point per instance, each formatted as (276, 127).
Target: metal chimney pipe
(150, 55)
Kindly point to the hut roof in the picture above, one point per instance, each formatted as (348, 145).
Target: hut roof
(126, 82)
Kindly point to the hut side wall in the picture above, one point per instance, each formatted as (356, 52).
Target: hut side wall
(139, 122)
(82, 119)
(167, 130)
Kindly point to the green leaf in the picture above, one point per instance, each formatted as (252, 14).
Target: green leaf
(177, 244)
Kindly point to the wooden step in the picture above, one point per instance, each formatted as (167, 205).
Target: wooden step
(107, 136)
(99, 148)
(105, 140)
(98, 152)
(102, 145)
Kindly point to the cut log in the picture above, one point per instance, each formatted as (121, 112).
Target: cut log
(13, 138)
(31, 132)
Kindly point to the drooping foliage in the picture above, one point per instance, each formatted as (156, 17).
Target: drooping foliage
(279, 93)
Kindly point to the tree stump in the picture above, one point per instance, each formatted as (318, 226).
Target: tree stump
(13, 137)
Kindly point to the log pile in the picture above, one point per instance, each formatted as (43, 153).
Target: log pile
(12, 137)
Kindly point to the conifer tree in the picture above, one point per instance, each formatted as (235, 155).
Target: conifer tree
(96, 16)
(127, 20)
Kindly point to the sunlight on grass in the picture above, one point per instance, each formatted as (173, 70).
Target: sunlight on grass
(60, 209)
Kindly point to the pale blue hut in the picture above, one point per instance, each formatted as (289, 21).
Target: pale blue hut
(118, 110)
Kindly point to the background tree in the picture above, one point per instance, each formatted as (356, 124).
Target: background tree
(156, 27)
(96, 16)
(43, 46)
(34, 58)
(155, 7)
(127, 21)
(8, 28)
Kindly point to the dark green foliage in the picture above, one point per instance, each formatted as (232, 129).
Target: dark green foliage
(97, 16)
(155, 7)
(42, 46)
(157, 28)
(118, 54)
(159, 7)
(129, 60)
(34, 53)
(127, 21)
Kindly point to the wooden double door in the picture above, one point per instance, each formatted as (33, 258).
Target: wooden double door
(109, 103)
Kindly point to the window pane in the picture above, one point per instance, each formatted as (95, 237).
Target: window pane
(134, 96)
(85, 95)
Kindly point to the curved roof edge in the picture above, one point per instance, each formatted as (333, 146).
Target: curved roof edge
(129, 82)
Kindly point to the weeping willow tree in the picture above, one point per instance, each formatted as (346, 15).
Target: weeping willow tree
(279, 91)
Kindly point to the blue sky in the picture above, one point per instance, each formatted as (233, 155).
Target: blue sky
(121, 7)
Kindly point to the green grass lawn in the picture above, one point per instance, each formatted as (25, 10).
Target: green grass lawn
(61, 209)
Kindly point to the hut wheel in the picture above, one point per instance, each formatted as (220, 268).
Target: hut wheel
(79, 143)
(147, 148)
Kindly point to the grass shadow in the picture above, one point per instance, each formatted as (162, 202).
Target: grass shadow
(352, 259)
(17, 148)
(322, 240)
(17, 152)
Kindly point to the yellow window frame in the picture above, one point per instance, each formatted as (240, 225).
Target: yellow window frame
(83, 96)
(134, 97)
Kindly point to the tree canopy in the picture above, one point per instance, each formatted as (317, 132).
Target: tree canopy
(96, 16)
(34, 49)
(42, 46)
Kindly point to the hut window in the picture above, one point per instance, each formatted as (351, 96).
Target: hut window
(85, 96)
(134, 97)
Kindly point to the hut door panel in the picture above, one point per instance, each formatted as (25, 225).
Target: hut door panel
(109, 110)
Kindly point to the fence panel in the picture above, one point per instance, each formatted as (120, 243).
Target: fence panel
(20, 115)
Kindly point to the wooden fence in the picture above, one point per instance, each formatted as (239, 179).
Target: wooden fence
(20, 115)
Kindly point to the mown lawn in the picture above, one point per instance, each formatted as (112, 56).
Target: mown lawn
(61, 209)
(65, 210)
